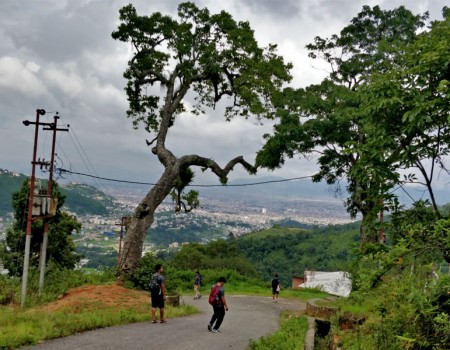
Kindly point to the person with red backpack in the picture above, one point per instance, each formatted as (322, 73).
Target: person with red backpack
(219, 304)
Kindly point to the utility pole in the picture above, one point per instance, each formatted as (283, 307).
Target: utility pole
(26, 259)
(44, 203)
(43, 255)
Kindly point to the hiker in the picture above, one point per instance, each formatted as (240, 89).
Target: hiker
(219, 304)
(158, 293)
(197, 285)
(276, 287)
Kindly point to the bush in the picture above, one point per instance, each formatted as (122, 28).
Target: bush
(9, 289)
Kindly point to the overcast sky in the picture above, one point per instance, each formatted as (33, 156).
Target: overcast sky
(59, 55)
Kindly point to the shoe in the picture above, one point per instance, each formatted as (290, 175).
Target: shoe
(214, 330)
(163, 321)
(209, 328)
(153, 321)
(199, 297)
(195, 298)
(217, 331)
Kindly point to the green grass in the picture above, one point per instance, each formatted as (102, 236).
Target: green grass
(19, 327)
(291, 335)
(245, 288)
(35, 323)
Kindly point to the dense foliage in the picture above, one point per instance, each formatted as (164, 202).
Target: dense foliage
(406, 294)
(60, 249)
(382, 109)
(289, 251)
(9, 183)
(286, 251)
(213, 260)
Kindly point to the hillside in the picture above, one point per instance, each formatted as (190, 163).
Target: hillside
(80, 198)
(291, 251)
(9, 183)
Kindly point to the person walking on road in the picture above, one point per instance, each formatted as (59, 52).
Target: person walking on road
(276, 287)
(197, 285)
(158, 293)
(219, 304)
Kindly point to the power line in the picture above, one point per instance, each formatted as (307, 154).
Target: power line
(61, 170)
(85, 159)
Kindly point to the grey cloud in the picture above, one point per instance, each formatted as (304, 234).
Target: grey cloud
(71, 39)
(281, 10)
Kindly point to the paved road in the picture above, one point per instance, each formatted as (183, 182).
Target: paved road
(247, 318)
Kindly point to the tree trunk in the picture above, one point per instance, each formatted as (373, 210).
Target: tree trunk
(368, 231)
(142, 220)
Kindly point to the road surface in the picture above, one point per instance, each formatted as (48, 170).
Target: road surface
(247, 318)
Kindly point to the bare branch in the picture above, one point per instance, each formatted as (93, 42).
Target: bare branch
(222, 173)
(149, 143)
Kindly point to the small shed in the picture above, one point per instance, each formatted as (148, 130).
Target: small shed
(297, 281)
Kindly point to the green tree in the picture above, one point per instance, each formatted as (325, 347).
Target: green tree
(326, 119)
(213, 58)
(407, 110)
(61, 248)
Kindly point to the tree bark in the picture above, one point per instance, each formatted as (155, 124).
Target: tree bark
(143, 219)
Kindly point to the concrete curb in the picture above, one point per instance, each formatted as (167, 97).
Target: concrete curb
(310, 334)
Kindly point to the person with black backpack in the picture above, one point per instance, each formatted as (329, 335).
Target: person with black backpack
(219, 304)
(276, 287)
(158, 293)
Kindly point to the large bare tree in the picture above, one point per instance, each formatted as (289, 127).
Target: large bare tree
(211, 58)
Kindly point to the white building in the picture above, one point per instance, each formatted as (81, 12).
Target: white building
(335, 283)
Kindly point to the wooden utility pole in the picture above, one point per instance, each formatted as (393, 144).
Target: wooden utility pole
(26, 259)
(43, 255)
(44, 204)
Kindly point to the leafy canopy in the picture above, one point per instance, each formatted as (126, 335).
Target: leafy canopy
(215, 55)
(61, 247)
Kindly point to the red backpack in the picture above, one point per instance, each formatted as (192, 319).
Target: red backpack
(214, 295)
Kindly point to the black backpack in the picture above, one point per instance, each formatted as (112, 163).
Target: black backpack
(154, 285)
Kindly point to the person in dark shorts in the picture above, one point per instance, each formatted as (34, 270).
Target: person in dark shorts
(159, 295)
(276, 287)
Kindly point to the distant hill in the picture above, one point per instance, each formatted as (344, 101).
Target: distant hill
(85, 199)
(290, 251)
(80, 198)
(10, 182)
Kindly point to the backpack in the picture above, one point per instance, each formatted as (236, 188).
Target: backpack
(214, 295)
(154, 285)
(275, 283)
